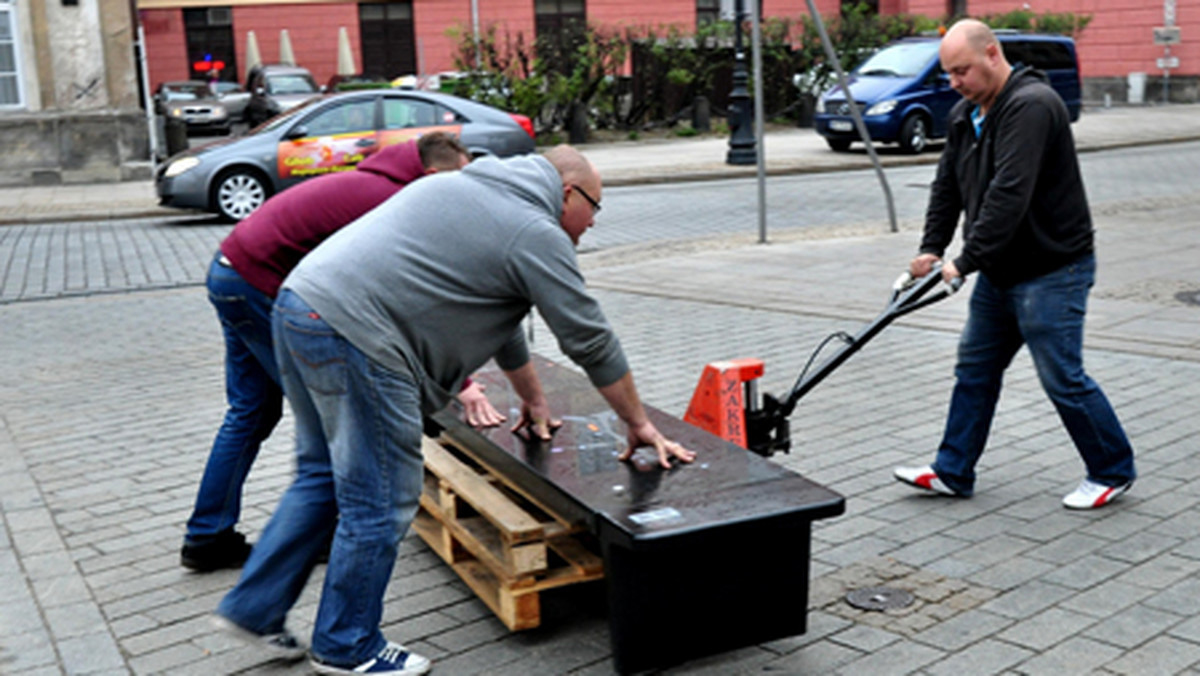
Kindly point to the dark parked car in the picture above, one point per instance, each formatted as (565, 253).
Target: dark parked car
(276, 88)
(345, 83)
(326, 134)
(904, 96)
(234, 98)
(193, 102)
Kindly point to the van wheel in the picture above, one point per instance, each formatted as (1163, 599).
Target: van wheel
(914, 135)
(238, 192)
(839, 145)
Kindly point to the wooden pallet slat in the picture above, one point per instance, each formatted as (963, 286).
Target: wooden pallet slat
(506, 549)
(511, 486)
(515, 524)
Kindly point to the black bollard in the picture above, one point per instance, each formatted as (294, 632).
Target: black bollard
(578, 123)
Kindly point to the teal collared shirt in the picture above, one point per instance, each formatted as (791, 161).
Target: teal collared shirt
(977, 120)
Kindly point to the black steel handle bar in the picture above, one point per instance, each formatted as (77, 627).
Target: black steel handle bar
(908, 295)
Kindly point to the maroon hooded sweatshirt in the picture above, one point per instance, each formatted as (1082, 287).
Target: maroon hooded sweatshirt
(265, 246)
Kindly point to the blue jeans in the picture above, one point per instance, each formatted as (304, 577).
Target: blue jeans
(254, 396)
(1047, 314)
(358, 454)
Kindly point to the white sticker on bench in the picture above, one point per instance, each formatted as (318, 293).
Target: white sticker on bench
(656, 516)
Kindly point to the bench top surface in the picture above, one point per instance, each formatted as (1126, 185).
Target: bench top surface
(642, 501)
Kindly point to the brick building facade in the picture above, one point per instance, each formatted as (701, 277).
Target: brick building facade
(1117, 42)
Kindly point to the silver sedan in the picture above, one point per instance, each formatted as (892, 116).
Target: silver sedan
(329, 133)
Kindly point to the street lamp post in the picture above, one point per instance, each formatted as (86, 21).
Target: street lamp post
(741, 131)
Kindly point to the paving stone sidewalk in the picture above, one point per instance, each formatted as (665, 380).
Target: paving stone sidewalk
(109, 400)
(108, 404)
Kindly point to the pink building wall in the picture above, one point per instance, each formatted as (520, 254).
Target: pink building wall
(431, 20)
(1116, 42)
(312, 30)
(166, 50)
(1119, 38)
(637, 13)
(434, 18)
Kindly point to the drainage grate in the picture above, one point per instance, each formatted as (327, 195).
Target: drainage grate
(879, 598)
(1188, 297)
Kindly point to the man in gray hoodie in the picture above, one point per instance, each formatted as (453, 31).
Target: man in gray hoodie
(380, 323)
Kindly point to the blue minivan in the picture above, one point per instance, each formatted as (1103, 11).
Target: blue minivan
(905, 96)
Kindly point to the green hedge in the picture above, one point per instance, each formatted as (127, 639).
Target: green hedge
(546, 80)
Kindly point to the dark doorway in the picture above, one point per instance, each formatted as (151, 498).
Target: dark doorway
(210, 40)
(388, 45)
(561, 27)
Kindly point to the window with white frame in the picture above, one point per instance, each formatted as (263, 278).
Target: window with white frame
(10, 84)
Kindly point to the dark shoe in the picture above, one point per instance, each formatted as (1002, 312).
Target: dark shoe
(228, 550)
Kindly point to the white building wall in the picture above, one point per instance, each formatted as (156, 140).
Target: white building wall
(77, 56)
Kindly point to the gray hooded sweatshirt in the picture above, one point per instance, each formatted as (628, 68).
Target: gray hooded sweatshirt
(437, 279)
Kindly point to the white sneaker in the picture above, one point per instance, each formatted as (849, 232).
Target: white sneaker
(281, 646)
(924, 478)
(393, 660)
(1090, 495)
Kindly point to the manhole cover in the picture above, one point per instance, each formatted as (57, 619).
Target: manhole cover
(879, 598)
(1189, 297)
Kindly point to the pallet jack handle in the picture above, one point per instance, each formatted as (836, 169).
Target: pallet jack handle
(726, 400)
(909, 294)
(767, 429)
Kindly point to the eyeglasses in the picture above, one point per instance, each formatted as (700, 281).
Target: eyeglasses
(589, 198)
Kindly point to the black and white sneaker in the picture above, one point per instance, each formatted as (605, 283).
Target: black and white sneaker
(393, 660)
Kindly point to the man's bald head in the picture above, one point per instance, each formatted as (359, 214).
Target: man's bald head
(581, 190)
(572, 165)
(972, 57)
(974, 33)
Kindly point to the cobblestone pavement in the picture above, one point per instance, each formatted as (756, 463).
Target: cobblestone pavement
(109, 400)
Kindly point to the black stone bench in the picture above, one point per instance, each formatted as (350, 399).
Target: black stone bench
(703, 558)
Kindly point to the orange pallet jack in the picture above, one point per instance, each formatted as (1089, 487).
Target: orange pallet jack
(726, 401)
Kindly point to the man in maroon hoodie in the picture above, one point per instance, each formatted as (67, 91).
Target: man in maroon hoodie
(243, 280)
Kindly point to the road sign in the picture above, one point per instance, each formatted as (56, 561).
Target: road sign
(1166, 35)
(1169, 12)
(1166, 62)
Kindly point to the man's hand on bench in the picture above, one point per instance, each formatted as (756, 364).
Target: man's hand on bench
(535, 419)
(479, 411)
(535, 409)
(646, 434)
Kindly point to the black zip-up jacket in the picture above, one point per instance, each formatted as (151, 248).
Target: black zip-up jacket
(1018, 182)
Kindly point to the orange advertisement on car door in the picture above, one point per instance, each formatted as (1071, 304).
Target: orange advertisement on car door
(316, 155)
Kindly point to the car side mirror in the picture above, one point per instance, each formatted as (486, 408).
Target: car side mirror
(298, 131)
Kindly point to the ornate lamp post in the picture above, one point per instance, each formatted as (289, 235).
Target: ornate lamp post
(741, 130)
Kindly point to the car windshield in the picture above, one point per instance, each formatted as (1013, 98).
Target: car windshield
(904, 59)
(291, 84)
(226, 87)
(187, 92)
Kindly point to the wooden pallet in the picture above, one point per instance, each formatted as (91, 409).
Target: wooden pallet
(505, 546)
